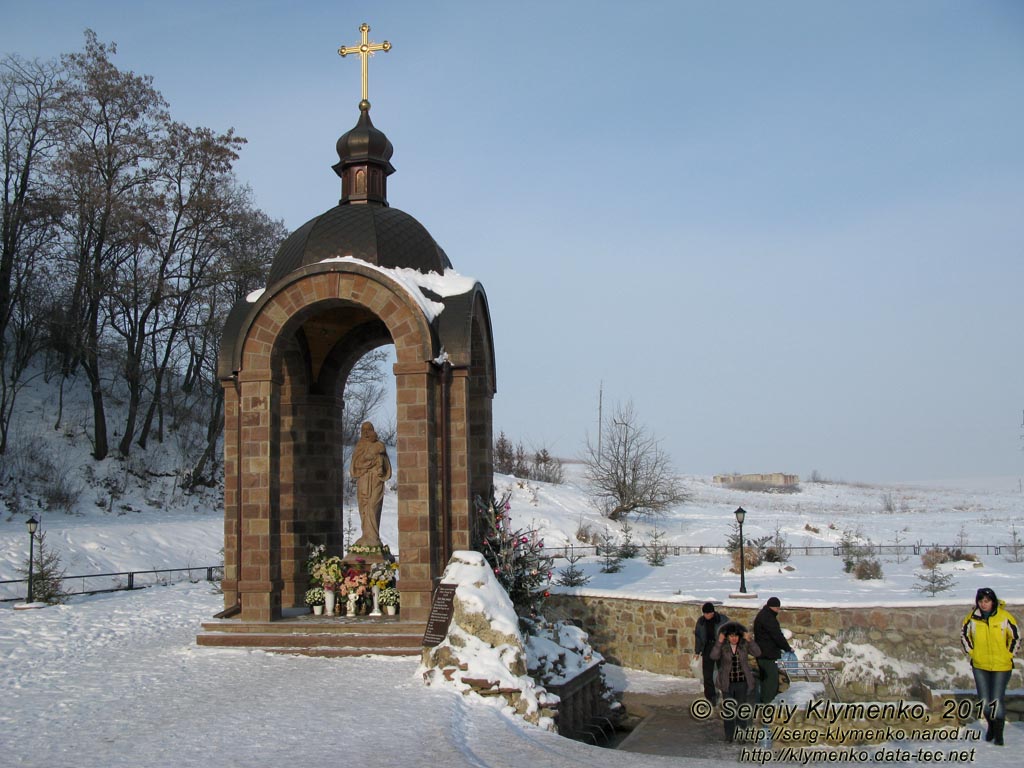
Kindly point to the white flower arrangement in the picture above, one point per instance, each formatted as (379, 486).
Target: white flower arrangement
(389, 596)
(383, 575)
(314, 596)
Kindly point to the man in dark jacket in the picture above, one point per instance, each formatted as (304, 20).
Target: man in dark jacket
(768, 635)
(705, 635)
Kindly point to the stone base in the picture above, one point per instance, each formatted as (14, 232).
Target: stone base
(742, 595)
(370, 554)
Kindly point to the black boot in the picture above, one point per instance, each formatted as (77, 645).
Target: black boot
(990, 732)
(999, 722)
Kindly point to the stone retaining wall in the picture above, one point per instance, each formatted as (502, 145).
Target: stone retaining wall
(922, 642)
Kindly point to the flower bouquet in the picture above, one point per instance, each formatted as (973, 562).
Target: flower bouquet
(315, 599)
(353, 587)
(389, 596)
(328, 572)
(355, 582)
(382, 575)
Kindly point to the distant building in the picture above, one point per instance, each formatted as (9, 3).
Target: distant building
(772, 478)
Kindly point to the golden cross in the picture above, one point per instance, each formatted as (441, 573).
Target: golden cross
(364, 51)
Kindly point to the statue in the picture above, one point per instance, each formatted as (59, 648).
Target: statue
(371, 468)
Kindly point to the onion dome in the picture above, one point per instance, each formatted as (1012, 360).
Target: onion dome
(364, 161)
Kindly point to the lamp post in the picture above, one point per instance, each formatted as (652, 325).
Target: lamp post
(740, 514)
(32, 524)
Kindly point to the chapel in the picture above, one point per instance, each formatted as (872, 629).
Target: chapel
(354, 278)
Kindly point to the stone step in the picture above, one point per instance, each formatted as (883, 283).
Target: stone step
(317, 625)
(256, 639)
(311, 635)
(337, 653)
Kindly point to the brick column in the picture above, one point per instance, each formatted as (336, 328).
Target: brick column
(232, 426)
(460, 453)
(418, 465)
(260, 584)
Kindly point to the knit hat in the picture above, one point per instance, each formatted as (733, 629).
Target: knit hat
(708, 608)
(773, 602)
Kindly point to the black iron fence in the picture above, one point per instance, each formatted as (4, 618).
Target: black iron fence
(827, 549)
(97, 583)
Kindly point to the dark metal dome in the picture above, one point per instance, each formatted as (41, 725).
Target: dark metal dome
(376, 234)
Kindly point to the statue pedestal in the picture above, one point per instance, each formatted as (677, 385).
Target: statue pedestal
(369, 554)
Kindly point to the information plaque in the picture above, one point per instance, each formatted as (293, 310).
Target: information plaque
(440, 615)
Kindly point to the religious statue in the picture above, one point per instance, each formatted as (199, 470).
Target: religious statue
(371, 468)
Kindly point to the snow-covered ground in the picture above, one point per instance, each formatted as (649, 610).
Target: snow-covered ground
(117, 680)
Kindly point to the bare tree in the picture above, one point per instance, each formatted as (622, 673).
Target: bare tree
(364, 392)
(244, 256)
(153, 289)
(112, 120)
(29, 95)
(631, 474)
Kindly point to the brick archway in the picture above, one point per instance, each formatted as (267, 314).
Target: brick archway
(282, 426)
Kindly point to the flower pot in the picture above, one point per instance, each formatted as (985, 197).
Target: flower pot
(391, 609)
(329, 602)
(318, 610)
(352, 597)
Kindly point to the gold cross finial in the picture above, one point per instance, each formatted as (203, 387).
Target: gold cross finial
(364, 51)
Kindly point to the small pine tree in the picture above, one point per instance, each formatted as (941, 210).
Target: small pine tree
(503, 455)
(898, 539)
(47, 573)
(732, 542)
(657, 550)
(572, 575)
(778, 550)
(628, 549)
(1016, 545)
(546, 468)
(516, 556)
(853, 549)
(933, 580)
(520, 466)
(611, 560)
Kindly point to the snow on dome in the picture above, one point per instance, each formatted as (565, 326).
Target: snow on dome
(451, 283)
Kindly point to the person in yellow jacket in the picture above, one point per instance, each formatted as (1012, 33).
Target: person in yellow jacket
(990, 637)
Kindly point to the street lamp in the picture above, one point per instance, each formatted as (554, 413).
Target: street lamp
(32, 524)
(740, 514)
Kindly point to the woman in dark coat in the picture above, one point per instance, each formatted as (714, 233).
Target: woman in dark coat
(736, 680)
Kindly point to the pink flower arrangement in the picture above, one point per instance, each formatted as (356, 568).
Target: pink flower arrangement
(355, 582)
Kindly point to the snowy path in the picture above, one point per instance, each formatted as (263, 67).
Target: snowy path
(117, 680)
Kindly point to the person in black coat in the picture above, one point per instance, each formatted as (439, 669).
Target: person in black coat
(773, 644)
(705, 634)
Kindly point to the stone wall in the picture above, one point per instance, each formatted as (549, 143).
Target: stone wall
(919, 646)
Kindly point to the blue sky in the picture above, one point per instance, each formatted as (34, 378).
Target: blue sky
(790, 232)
